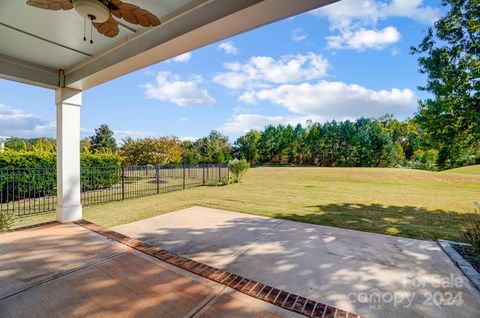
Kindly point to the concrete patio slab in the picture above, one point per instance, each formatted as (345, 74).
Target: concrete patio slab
(31, 256)
(66, 270)
(210, 235)
(112, 289)
(371, 274)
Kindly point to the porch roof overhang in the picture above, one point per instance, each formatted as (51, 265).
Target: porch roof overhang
(45, 48)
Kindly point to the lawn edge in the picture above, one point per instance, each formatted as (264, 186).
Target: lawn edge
(32, 226)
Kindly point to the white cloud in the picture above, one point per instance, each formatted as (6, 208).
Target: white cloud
(228, 48)
(298, 35)
(241, 110)
(356, 21)
(261, 71)
(248, 97)
(371, 11)
(395, 51)
(182, 58)
(184, 118)
(86, 131)
(242, 123)
(362, 39)
(121, 134)
(15, 122)
(188, 138)
(172, 88)
(337, 100)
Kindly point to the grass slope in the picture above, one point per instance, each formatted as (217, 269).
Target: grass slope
(465, 171)
(409, 203)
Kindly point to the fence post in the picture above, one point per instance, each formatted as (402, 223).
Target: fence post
(123, 183)
(203, 169)
(219, 172)
(158, 178)
(183, 177)
(228, 174)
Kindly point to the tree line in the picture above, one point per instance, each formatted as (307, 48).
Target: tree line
(383, 142)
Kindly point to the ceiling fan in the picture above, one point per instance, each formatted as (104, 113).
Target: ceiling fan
(100, 13)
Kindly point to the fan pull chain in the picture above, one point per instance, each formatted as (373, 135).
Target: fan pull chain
(84, 29)
(91, 29)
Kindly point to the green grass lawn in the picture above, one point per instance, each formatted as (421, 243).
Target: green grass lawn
(409, 203)
(467, 171)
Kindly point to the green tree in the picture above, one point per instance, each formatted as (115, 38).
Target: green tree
(449, 56)
(85, 145)
(163, 150)
(215, 148)
(190, 153)
(103, 139)
(382, 142)
(247, 146)
(315, 143)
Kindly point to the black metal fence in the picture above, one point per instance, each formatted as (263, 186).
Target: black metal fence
(30, 191)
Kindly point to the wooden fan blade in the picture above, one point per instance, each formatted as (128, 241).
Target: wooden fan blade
(108, 28)
(133, 14)
(51, 4)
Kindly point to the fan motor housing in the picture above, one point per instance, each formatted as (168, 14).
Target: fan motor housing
(92, 9)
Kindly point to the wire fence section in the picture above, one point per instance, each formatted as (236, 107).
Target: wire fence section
(30, 191)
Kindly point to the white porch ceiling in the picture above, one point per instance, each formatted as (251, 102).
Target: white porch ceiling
(46, 48)
(55, 38)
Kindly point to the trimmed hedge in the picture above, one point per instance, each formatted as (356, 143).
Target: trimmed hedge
(33, 174)
(27, 159)
(36, 159)
(99, 170)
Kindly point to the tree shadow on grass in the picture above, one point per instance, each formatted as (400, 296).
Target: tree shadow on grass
(406, 221)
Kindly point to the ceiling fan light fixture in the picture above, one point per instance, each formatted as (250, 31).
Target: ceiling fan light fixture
(92, 9)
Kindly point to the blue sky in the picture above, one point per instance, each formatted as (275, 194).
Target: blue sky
(347, 60)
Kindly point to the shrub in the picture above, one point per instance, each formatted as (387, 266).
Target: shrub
(99, 170)
(238, 168)
(223, 182)
(10, 159)
(425, 160)
(6, 221)
(471, 231)
(33, 174)
(93, 178)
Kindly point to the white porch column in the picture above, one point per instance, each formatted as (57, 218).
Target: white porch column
(69, 207)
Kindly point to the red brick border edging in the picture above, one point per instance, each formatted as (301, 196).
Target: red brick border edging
(281, 298)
